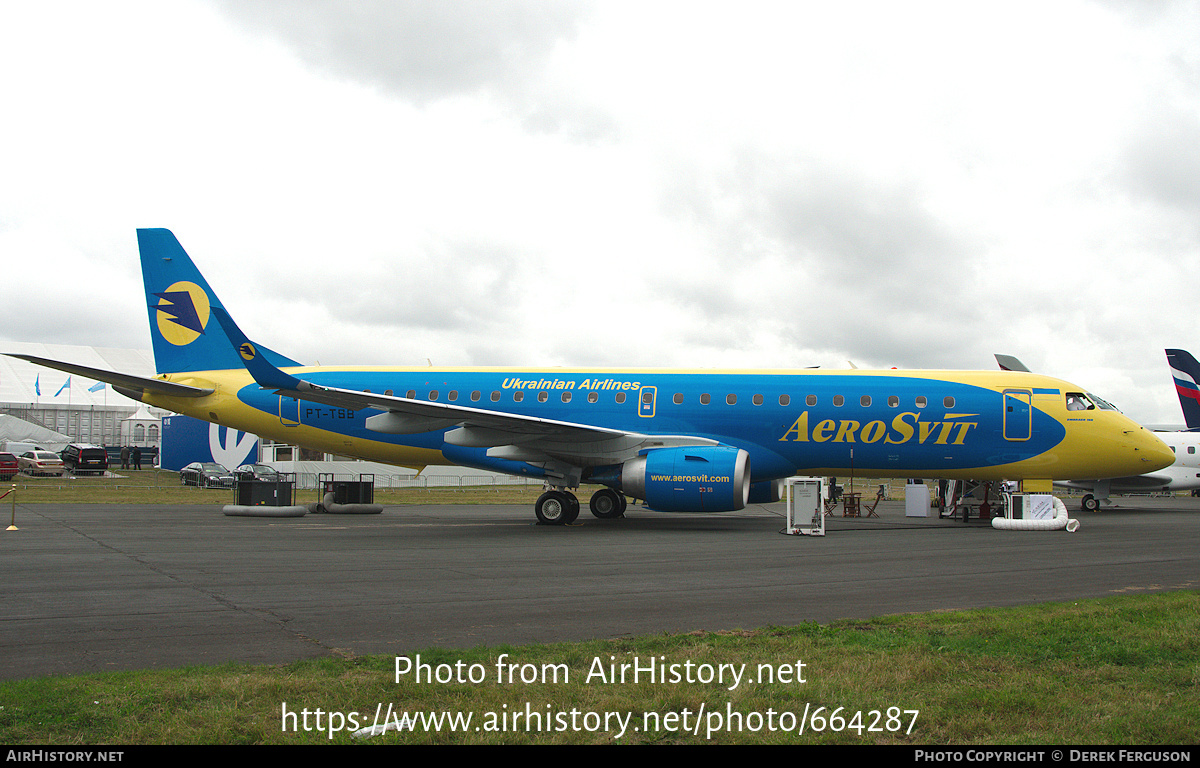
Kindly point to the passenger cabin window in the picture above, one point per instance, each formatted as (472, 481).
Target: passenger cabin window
(785, 399)
(921, 401)
(811, 400)
(705, 399)
(496, 396)
(865, 401)
(731, 399)
(678, 398)
(893, 401)
(518, 396)
(387, 392)
(453, 395)
(757, 399)
(411, 394)
(620, 397)
(433, 394)
(839, 401)
(593, 397)
(948, 402)
(566, 397)
(543, 397)
(475, 396)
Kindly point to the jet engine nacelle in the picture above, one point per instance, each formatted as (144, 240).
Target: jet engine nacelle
(712, 478)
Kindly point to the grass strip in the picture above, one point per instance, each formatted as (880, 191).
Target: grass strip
(1119, 670)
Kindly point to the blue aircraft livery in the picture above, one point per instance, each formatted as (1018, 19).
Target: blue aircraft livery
(676, 440)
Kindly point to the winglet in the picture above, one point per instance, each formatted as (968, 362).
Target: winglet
(266, 374)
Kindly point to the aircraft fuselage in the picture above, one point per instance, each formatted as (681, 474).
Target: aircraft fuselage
(953, 424)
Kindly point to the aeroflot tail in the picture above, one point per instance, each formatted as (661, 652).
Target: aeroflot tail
(1186, 372)
(186, 340)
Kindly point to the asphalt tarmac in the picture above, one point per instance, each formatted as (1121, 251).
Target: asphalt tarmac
(112, 587)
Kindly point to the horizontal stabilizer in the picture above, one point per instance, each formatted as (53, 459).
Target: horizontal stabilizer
(126, 383)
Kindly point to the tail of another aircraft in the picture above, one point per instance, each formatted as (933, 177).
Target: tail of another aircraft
(183, 329)
(1186, 372)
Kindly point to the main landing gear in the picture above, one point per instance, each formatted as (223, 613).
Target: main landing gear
(559, 507)
(607, 504)
(556, 507)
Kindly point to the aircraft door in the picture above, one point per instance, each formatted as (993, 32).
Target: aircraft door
(646, 402)
(289, 411)
(1018, 415)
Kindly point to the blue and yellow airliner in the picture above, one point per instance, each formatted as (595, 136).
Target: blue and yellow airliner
(677, 440)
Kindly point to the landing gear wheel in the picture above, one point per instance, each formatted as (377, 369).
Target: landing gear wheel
(607, 504)
(1090, 503)
(557, 508)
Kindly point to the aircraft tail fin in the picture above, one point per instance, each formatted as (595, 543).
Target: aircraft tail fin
(1186, 372)
(180, 302)
(1010, 363)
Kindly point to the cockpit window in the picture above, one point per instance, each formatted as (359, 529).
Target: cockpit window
(1077, 401)
(1086, 401)
(1103, 405)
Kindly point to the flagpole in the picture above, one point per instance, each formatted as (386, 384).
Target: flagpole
(98, 386)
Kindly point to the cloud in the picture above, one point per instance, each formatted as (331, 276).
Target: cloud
(1162, 160)
(421, 51)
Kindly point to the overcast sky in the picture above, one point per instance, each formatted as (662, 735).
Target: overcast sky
(694, 184)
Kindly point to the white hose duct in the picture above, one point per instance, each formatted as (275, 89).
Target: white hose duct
(1060, 520)
(327, 505)
(262, 510)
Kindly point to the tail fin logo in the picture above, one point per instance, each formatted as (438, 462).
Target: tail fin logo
(247, 351)
(1185, 384)
(183, 312)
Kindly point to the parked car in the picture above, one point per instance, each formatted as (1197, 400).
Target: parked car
(82, 459)
(40, 463)
(206, 474)
(256, 472)
(8, 466)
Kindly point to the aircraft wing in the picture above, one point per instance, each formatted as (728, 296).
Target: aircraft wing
(125, 383)
(506, 435)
